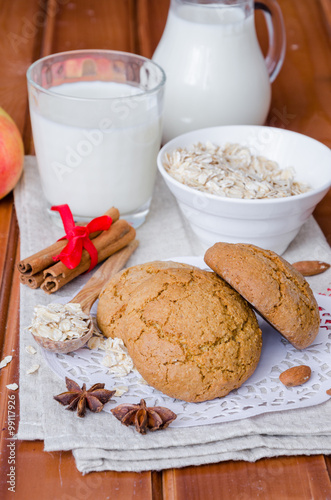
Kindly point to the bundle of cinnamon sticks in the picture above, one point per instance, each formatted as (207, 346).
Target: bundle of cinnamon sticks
(39, 270)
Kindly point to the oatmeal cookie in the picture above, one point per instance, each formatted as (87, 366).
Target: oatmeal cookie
(274, 288)
(114, 297)
(191, 335)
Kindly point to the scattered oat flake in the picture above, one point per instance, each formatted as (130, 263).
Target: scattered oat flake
(33, 369)
(120, 390)
(96, 333)
(120, 369)
(142, 381)
(12, 387)
(117, 358)
(5, 361)
(94, 342)
(30, 349)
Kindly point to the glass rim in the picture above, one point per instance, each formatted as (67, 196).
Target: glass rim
(94, 51)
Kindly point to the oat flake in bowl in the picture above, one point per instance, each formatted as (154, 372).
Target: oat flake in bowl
(270, 222)
(231, 171)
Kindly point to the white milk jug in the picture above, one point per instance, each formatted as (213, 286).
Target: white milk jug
(216, 73)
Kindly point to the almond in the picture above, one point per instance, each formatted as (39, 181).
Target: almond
(311, 267)
(297, 375)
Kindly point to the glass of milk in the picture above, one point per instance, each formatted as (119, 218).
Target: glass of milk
(96, 122)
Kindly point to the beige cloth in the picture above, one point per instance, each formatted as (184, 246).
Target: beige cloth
(99, 441)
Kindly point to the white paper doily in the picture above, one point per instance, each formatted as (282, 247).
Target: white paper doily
(261, 393)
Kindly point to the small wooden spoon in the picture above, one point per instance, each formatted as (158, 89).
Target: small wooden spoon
(86, 298)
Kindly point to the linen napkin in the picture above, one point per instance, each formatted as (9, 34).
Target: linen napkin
(99, 441)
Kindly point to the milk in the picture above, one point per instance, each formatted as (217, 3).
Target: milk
(216, 73)
(96, 153)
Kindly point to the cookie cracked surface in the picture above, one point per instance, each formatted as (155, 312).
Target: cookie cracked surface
(191, 335)
(115, 295)
(268, 282)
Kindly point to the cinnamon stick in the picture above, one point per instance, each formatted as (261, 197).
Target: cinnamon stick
(107, 243)
(43, 259)
(32, 281)
(23, 279)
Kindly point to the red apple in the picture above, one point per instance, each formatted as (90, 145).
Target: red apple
(11, 154)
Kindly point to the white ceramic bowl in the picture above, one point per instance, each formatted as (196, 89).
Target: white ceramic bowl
(269, 223)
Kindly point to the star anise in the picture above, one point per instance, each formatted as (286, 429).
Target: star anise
(142, 417)
(78, 398)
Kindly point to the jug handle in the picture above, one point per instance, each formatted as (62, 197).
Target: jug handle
(277, 36)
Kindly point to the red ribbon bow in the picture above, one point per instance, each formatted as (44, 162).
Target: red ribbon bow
(78, 238)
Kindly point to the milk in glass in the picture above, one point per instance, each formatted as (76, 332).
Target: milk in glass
(96, 153)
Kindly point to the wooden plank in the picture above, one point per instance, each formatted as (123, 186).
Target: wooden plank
(326, 10)
(7, 277)
(295, 478)
(21, 24)
(48, 32)
(45, 48)
(302, 92)
(20, 29)
(151, 20)
(105, 24)
(6, 206)
(64, 482)
(328, 464)
(9, 399)
(322, 214)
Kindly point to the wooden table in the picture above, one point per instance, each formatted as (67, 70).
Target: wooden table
(301, 101)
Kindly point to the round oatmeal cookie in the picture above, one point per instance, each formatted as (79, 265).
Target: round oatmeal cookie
(191, 335)
(115, 295)
(274, 288)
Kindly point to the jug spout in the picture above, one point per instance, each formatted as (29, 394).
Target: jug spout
(216, 73)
